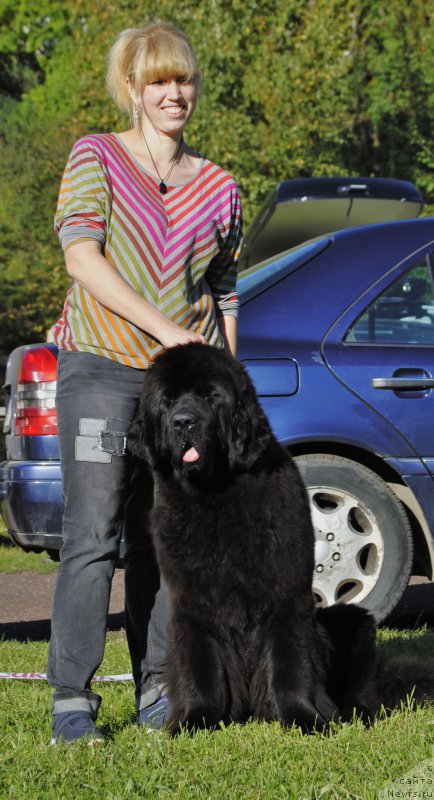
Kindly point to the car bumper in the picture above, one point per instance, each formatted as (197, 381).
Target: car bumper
(31, 503)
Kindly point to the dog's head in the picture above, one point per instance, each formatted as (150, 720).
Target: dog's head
(199, 414)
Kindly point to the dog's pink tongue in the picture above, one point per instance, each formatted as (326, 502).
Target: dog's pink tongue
(191, 455)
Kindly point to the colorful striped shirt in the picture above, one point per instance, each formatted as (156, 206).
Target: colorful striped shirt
(179, 250)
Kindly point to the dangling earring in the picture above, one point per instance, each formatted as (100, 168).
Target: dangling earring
(136, 115)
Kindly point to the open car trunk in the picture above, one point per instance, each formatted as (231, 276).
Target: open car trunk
(298, 210)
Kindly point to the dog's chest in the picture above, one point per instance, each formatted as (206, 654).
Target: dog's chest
(221, 546)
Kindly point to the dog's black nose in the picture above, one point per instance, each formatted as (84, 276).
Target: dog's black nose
(183, 419)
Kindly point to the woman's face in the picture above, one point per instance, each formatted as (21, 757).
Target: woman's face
(168, 104)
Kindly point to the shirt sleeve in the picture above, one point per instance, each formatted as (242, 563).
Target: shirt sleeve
(84, 203)
(222, 271)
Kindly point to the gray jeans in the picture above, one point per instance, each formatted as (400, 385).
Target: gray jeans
(107, 495)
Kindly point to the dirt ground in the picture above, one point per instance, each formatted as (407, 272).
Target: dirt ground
(25, 605)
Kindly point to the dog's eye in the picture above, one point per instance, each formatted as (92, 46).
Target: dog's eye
(165, 402)
(213, 395)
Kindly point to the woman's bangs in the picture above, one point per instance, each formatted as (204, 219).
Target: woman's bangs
(168, 62)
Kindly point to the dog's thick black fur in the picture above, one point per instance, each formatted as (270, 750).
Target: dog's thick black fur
(234, 540)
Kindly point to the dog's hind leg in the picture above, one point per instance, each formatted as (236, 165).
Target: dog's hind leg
(405, 679)
(197, 686)
(352, 659)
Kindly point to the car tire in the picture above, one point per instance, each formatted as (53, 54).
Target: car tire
(364, 546)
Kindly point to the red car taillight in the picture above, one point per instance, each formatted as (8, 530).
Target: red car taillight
(36, 394)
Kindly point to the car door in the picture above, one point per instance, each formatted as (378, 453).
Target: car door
(382, 349)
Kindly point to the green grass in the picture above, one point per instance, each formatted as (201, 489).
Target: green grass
(251, 762)
(14, 559)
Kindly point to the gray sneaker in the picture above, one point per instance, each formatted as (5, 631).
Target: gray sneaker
(154, 717)
(71, 726)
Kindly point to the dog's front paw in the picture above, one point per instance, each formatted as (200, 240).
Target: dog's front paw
(193, 719)
(305, 716)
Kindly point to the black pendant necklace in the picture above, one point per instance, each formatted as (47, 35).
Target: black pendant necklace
(162, 186)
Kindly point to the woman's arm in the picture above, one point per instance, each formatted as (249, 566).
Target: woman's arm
(222, 271)
(87, 265)
(228, 329)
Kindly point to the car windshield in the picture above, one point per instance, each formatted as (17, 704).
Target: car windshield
(256, 279)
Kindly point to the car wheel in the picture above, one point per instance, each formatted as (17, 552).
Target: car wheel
(364, 547)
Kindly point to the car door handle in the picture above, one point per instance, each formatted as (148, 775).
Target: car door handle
(401, 384)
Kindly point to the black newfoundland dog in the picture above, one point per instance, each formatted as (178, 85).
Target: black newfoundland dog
(234, 540)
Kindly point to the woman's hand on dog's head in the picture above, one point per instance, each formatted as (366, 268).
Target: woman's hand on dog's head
(173, 335)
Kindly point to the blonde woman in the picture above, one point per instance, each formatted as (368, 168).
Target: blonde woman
(151, 231)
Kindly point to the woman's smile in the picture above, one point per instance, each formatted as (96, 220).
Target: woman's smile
(174, 101)
(174, 111)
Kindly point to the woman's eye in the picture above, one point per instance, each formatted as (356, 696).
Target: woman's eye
(163, 81)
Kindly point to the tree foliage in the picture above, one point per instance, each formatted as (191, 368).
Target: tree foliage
(292, 88)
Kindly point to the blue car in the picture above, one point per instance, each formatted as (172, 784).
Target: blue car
(337, 334)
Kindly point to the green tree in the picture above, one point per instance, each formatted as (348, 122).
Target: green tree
(28, 38)
(292, 88)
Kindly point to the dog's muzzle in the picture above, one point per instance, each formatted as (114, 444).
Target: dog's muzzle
(184, 423)
(183, 420)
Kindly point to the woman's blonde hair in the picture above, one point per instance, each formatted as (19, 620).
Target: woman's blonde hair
(142, 55)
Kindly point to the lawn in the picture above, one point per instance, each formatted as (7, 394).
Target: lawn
(251, 762)
(13, 559)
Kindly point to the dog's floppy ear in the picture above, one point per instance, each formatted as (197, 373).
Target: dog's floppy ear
(250, 431)
(138, 439)
(142, 435)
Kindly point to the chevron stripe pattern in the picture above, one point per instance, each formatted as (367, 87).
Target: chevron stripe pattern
(179, 250)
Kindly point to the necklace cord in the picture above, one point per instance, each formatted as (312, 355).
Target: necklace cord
(162, 186)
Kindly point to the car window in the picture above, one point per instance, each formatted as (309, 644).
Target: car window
(403, 314)
(261, 276)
